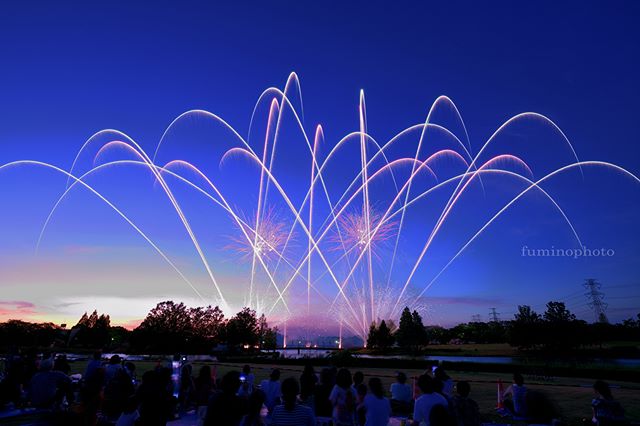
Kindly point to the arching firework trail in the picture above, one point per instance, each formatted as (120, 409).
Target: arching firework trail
(341, 229)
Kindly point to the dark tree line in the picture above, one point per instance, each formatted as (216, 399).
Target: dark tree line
(168, 328)
(556, 329)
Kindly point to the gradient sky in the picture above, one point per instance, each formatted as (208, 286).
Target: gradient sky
(69, 69)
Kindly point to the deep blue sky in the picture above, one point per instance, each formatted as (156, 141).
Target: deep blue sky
(68, 69)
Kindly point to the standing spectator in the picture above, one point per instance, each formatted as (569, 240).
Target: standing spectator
(515, 396)
(93, 365)
(428, 399)
(465, 409)
(323, 407)
(271, 389)
(291, 413)
(226, 408)
(204, 389)
(377, 407)
(187, 388)
(343, 399)
(606, 410)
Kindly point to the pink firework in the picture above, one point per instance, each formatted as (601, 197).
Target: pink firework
(267, 240)
(356, 235)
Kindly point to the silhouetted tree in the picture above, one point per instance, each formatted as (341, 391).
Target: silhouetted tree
(411, 332)
(242, 329)
(526, 328)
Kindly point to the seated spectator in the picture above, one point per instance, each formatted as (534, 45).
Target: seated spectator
(343, 399)
(308, 380)
(155, 398)
(358, 379)
(446, 382)
(226, 408)
(271, 389)
(440, 416)
(377, 407)
(246, 382)
(61, 364)
(112, 367)
(116, 394)
(428, 399)
(361, 410)
(291, 413)
(48, 388)
(465, 409)
(606, 410)
(515, 397)
(256, 410)
(323, 407)
(130, 415)
(401, 395)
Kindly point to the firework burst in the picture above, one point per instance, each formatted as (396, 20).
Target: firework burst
(266, 240)
(353, 234)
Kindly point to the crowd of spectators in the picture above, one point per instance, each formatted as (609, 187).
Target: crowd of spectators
(109, 393)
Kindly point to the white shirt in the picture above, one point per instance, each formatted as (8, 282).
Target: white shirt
(377, 410)
(424, 404)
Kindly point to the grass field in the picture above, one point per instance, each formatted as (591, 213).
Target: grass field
(572, 395)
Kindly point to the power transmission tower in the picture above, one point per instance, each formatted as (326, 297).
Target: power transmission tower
(476, 318)
(596, 300)
(494, 316)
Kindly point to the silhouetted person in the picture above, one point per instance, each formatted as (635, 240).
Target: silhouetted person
(156, 401)
(130, 414)
(226, 408)
(358, 379)
(48, 387)
(606, 410)
(271, 389)
(401, 397)
(440, 416)
(427, 400)
(323, 407)
(343, 399)
(116, 394)
(290, 413)
(256, 410)
(465, 409)
(446, 387)
(247, 380)
(377, 407)
(361, 411)
(308, 380)
(93, 365)
(515, 396)
(204, 390)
